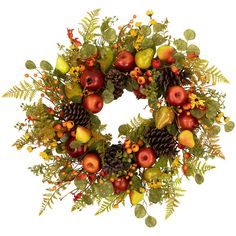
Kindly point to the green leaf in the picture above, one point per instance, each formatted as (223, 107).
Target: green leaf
(157, 27)
(124, 129)
(131, 85)
(155, 195)
(158, 39)
(193, 49)
(136, 183)
(181, 44)
(107, 96)
(104, 190)
(74, 144)
(80, 183)
(140, 211)
(199, 178)
(45, 65)
(88, 50)
(109, 35)
(110, 86)
(106, 59)
(30, 65)
(162, 162)
(197, 113)
(147, 43)
(150, 221)
(87, 199)
(214, 130)
(189, 34)
(145, 30)
(229, 126)
(172, 129)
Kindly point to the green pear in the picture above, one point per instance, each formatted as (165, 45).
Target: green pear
(152, 174)
(143, 59)
(106, 59)
(83, 134)
(136, 197)
(62, 65)
(73, 89)
(186, 139)
(164, 116)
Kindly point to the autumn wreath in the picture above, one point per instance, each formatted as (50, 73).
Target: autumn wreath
(156, 153)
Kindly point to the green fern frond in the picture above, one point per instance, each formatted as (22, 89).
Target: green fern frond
(200, 168)
(24, 90)
(107, 204)
(49, 198)
(206, 74)
(137, 121)
(21, 142)
(89, 25)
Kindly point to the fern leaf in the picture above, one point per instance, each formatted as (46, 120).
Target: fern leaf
(107, 204)
(24, 90)
(90, 25)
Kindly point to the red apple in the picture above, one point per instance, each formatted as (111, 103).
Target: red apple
(92, 79)
(91, 163)
(176, 95)
(75, 152)
(93, 103)
(187, 121)
(125, 61)
(120, 185)
(146, 157)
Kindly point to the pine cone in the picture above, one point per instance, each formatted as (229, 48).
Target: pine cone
(161, 141)
(112, 159)
(118, 79)
(76, 113)
(169, 78)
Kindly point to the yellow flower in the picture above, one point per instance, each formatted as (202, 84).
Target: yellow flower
(149, 12)
(152, 22)
(54, 144)
(44, 155)
(138, 24)
(74, 71)
(195, 101)
(133, 32)
(30, 149)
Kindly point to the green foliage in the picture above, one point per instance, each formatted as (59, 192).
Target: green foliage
(107, 204)
(48, 199)
(24, 90)
(30, 65)
(189, 34)
(45, 65)
(90, 25)
(107, 94)
(229, 126)
(88, 50)
(197, 167)
(150, 221)
(155, 195)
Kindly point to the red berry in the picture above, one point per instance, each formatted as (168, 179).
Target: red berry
(185, 169)
(156, 63)
(187, 155)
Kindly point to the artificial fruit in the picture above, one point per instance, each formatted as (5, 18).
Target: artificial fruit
(83, 134)
(187, 121)
(93, 103)
(136, 197)
(143, 59)
(176, 95)
(146, 157)
(186, 139)
(164, 116)
(124, 61)
(75, 152)
(62, 65)
(91, 163)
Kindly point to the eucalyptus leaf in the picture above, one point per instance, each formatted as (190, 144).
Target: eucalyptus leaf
(140, 211)
(30, 65)
(131, 85)
(158, 39)
(105, 189)
(150, 221)
(181, 44)
(80, 183)
(199, 178)
(189, 34)
(88, 50)
(214, 130)
(124, 129)
(87, 199)
(229, 126)
(193, 49)
(45, 65)
(107, 96)
(145, 30)
(109, 35)
(157, 27)
(110, 86)
(147, 43)
(136, 183)
(197, 113)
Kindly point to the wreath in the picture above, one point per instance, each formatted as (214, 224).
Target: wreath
(155, 154)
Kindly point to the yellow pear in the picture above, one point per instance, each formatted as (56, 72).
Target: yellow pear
(136, 197)
(83, 134)
(73, 89)
(186, 138)
(164, 116)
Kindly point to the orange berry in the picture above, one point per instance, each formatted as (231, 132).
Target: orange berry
(64, 124)
(131, 21)
(61, 96)
(26, 75)
(129, 25)
(180, 110)
(150, 78)
(70, 124)
(42, 95)
(112, 180)
(141, 80)
(138, 70)
(187, 155)
(57, 127)
(35, 75)
(127, 142)
(188, 113)
(187, 106)
(55, 81)
(151, 110)
(52, 100)
(81, 68)
(129, 150)
(115, 206)
(140, 142)
(60, 134)
(44, 76)
(54, 188)
(40, 81)
(185, 169)
(135, 147)
(134, 16)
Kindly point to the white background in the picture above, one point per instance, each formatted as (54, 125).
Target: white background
(30, 30)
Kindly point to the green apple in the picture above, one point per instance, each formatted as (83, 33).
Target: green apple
(83, 134)
(136, 197)
(143, 59)
(62, 65)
